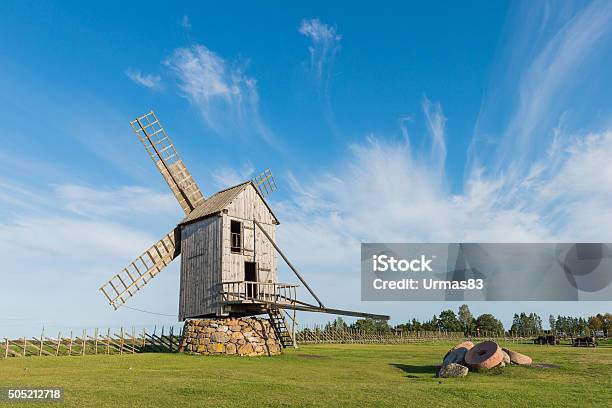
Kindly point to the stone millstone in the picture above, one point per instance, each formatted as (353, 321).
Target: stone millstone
(484, 356)
(466, 344)
(457, 353)
(453, 370)
(506, 356)
(518, 358)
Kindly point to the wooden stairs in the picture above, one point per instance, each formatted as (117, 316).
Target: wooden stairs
(279, 324)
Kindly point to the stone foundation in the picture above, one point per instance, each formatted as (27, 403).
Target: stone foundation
(242, 336)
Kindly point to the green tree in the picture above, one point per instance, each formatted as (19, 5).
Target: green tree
(553, 323)
(489, 323)
(448, 322)
(336, 325)
(465, 318)
(371, 325)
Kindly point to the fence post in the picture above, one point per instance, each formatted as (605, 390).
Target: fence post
(59, 340)
(25, 345)
(70, 346)
(7, 347)
(96, 341)
(121, 343)
(83, 342)
(42, 336)
(108, 341)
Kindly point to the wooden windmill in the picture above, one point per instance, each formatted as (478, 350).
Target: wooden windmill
(227, 242)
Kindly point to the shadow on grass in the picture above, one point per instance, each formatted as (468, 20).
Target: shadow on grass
(412, 370)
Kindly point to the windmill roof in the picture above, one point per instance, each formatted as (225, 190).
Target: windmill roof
(218, 201)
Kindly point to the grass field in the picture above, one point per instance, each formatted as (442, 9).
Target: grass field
(319, 376)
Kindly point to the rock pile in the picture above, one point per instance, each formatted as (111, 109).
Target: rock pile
(483, 356)
(246, 336)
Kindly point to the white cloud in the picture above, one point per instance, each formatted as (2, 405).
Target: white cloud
(324, 43)
(436, 122)
(227, 176)
(57, 252)
(147, 80)
(185, 23)
(387, 192)
(226, 97)
(542, 69)
(103, 202)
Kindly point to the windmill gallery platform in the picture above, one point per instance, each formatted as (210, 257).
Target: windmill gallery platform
(228, 261)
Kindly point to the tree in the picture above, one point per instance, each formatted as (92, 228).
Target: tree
(448, 321)
(336, 325)
(431, 325)
(465, 318)
(371, 325)
(526, 324)
(489, 323)
(553, 323)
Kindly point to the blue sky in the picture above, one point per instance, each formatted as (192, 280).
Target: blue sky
(487, 121)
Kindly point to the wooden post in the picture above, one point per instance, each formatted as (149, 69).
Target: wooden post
(25, 345)
(84, 342)
(108, 341)
(121, 342)
(59, 340)
(133, 340)
(144, 339)
(7, 347)
(70, 345)
(42, 336)
(96, 341)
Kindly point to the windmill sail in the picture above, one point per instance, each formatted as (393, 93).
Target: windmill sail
(153, 137)
(265, 183)
(138, 273)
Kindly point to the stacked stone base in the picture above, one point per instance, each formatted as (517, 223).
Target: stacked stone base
(244, 336)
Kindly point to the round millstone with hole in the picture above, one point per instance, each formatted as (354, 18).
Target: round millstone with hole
(484, 356)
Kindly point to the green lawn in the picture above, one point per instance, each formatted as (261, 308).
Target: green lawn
(317, 376)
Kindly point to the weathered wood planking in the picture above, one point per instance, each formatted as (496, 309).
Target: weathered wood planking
(246, 207)
(207, 259)
(201, 260)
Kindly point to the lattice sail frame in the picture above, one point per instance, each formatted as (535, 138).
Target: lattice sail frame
(139, 272)
(265, 183)
(161, 150)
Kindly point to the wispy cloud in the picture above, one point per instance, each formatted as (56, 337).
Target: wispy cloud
(185, 23)
(549, 54)
(147, 80)
(227, 176)
(387, 192)
(123, 200)
(324, 43)
(436, 122)
(71, 240)
(226, 97)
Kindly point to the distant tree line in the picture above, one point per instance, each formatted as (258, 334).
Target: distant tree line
(463, 321)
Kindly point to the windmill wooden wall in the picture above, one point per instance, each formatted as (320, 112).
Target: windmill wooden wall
(246, 207)
(207, 259)
(200, 264)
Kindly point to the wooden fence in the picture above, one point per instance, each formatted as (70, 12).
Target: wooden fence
(98, 342)
(168, 340)
(317, 335)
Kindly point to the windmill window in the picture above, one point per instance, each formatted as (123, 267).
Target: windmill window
(236, 236)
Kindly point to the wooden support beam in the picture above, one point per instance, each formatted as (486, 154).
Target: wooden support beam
(289, 264)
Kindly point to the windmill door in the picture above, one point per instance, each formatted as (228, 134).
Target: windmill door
(250, 275)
